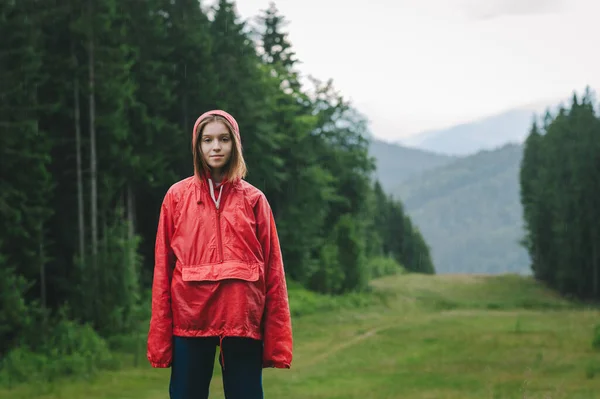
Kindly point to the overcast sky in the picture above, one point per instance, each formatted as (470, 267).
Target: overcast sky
(414, 65)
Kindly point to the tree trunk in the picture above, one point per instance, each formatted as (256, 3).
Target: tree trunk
(80, 205)
(41, 254)
(132, 265)
(131, 220)
(595, 266)
(184, 119)
(43, 295)
(93, 164)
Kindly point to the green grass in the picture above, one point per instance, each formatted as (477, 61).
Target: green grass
(438, 337)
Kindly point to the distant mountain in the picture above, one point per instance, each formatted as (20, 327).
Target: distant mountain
(396, 163)
(511, 126)
(484, 134)
(469, 212)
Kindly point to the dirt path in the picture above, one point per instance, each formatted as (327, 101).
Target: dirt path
(335, 349)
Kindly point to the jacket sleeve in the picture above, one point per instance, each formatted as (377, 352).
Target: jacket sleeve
(160, 334)
(277, 323)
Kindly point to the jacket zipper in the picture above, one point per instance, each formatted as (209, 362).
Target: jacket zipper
(218, 216)
(219, 234)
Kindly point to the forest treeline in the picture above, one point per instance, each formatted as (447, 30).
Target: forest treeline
(560, 194)
(97, 103)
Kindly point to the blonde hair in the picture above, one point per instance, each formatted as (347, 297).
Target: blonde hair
(236, 166)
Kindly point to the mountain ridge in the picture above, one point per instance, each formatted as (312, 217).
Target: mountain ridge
(395, 162)
(467, 207)
(485, 133)
(469, 212)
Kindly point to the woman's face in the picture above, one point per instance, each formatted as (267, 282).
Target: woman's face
(216, 145)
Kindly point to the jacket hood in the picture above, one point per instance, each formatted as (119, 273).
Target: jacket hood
(229, 118)
(226, 115)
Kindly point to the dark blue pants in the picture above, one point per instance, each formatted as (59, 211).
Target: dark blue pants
(193, 363)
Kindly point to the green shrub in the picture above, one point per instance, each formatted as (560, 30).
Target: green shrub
(384, 266)
(304, 302)
(68, 349)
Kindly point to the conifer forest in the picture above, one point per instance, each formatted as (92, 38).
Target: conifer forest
(98, 99)
(97, 104)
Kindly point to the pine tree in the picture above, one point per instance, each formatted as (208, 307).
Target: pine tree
(25, 182)
(242, 88)
(305, 185)
(534, 211)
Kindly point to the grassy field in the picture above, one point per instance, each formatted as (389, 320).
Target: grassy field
(427, 337)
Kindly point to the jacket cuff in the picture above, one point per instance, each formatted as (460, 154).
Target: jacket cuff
(160, 365)
(276, 365)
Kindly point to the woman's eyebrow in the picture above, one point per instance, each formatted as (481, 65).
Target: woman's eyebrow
(216, 134)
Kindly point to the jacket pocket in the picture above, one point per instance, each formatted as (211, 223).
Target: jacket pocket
(228, 270)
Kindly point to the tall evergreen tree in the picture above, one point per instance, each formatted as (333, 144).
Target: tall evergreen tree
(242, 88)
(25, 182)
(305, 186)
(559, 188)
(534, 212)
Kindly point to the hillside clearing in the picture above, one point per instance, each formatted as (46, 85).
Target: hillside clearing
(446, 336)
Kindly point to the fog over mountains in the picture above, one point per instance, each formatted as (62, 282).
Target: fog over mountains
(487, 133)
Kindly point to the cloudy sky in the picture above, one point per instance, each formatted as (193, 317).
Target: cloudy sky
(414, 65)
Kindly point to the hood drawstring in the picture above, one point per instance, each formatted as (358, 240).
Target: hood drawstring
(212, 192)
(221, 351)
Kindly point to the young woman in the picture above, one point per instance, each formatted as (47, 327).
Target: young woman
(218, 277)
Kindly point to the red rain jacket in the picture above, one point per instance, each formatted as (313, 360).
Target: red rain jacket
(218, 272)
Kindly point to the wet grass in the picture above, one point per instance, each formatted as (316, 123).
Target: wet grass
(458, 336)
